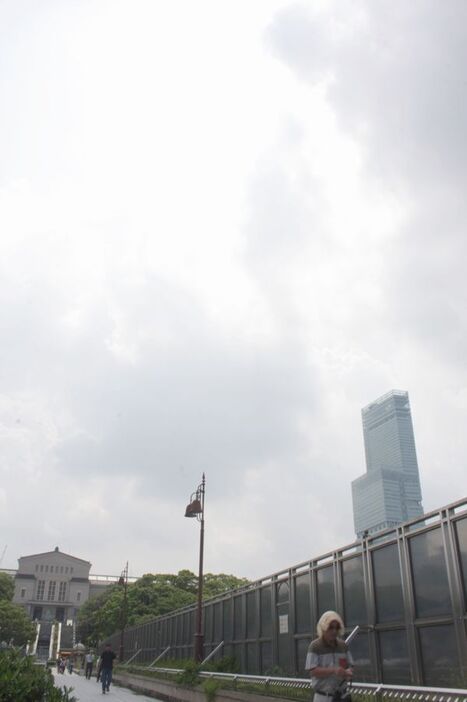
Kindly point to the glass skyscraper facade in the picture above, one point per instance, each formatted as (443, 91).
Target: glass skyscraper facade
(389, 493)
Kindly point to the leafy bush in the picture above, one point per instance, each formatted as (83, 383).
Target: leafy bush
(210, 688)
(189, 675)
(227, 664)
(276, 671)
(23, 681)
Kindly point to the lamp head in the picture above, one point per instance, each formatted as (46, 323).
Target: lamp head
(194, 508)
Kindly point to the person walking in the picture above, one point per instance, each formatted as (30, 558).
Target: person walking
(70, 665)
(329, 660)
(98, 670)
(107, 663)
(89, 661)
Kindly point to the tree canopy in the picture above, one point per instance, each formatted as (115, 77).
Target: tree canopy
(150, 596)
(15, 625)
(7, 587)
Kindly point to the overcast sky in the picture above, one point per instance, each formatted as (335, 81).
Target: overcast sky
(225, 227)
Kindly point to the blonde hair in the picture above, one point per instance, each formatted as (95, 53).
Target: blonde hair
(326, 619)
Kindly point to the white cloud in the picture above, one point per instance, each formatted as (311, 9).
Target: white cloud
(223, 232)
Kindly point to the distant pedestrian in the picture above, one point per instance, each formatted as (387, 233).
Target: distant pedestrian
(62, 666)
(89, 660)
(107, 664)
(70, 665)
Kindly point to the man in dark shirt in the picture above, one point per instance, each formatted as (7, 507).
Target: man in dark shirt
(107, 663)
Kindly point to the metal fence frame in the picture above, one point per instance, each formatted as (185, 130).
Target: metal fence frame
(266, 630)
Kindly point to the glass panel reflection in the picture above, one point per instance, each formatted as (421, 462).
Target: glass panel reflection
(252, 666)
(218, 622)
(361, 654)
(429, 574)
(439, 656)
(461, 531)
(238, 617)
(283, 592)
(302, 603)
(266, 657)
(238, 652)
(394, 657)
(302, 648)
(354, 593)
(227, 619)
(207, 623)
(251, 617)
(388, 585)
(283, 649)
(265, 599)
(326, 596)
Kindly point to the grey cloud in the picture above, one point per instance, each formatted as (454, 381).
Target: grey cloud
(208, 408)
(284, 206)
(194, 401)
(396, 78)
(425, 280)
(139, 390)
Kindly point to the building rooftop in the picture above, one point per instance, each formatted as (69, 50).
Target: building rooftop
(383, 398)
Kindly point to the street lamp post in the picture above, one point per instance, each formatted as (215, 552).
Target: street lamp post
(196, 509)
(123, 582)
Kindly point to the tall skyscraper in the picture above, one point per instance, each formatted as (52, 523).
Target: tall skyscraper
(389, 493)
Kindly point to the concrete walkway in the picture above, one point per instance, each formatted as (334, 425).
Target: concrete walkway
(90, 691)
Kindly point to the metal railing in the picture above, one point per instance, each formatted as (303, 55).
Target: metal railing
(97, 578)
(371, 690)
(357, 581)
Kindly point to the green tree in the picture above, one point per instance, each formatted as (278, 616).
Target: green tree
(93, 618)
(215, 584)
(15, 624)
(7, 587)
(150, 596)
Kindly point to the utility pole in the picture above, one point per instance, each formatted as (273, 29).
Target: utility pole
(123, 582)
(196, 509)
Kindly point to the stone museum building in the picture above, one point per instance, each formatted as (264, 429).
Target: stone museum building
(52, 586)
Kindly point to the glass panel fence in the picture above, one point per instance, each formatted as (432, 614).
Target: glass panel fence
(388, 584)
(326, 595)
(265, 605)
(439, 656)
(395, 661)
(461, 532)
(302, 603)
(354, 593)
(251, 616)
(238, 618)
(429, 574)
(227, 618)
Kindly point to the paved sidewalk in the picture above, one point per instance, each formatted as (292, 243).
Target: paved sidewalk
(90, 691)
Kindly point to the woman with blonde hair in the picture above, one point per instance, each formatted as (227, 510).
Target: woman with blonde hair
(329, 660)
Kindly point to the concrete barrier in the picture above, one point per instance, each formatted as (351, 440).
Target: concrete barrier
(168, 691)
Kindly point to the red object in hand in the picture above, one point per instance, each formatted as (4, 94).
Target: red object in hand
(343, 662)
